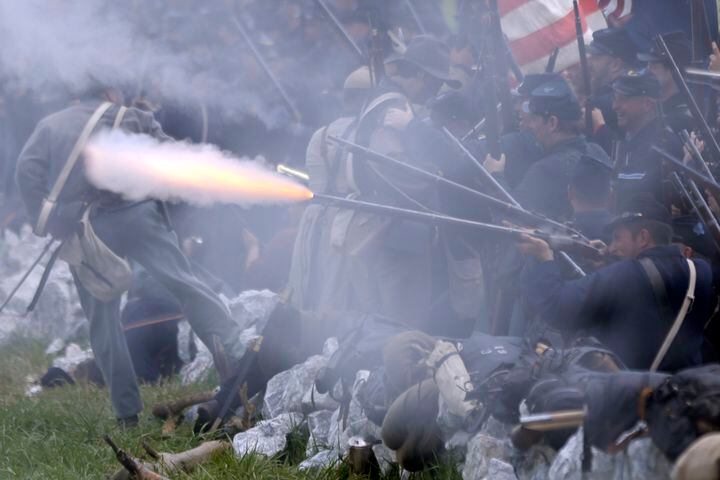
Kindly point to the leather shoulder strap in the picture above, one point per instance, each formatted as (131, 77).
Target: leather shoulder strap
(675, 328)
(77, 149)
(657, 283)
(119, 117)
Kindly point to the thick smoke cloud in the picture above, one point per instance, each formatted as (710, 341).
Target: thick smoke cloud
(64, 46)
(140, 167)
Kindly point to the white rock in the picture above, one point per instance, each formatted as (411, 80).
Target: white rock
(253, 308)
(73, 356)
(499, 470)
(323, 459)
(199, 368)
(642, 461)
(534, 464)
(480, 450)
(386, 458)
(319, 427)
(268, 437)
(55, 347)
(285, 391)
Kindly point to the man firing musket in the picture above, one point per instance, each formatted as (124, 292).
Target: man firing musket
(61, 201)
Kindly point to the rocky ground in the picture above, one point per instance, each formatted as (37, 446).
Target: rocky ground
(290, 404)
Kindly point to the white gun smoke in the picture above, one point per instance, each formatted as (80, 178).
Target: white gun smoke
(140, 167)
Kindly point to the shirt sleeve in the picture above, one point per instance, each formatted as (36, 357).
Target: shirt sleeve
(560, 302)
(33, 170)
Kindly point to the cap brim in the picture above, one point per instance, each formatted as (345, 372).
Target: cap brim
(440, 75)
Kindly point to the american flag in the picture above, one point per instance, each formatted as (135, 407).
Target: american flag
(534, 28)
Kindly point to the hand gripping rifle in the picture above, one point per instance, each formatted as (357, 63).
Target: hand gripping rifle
(583, 67)
(511, 209)
(556, 242)
(692, 195)
(676, 164)
(690, 99)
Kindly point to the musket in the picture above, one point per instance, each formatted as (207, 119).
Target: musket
(556, 242)
(377, 57)
(699, 206)
(690, 172)
(583, 67)
(489, 66)
(27, 274)
(552, 59)
(505, 63)
(240, 377)
(341, 30)
(486, 175)
(696, 154)
(492, 202)
(261, 61)
(690, 99)
(416, 17)
(505, 194)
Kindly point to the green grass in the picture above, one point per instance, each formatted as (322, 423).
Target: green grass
(58, 434)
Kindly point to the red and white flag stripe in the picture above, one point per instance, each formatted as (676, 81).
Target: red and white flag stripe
(616, 9)
(534, 29)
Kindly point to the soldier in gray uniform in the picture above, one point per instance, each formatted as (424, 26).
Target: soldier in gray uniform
(137, 231)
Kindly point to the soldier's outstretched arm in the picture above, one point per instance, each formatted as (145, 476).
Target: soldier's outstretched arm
(565, 303)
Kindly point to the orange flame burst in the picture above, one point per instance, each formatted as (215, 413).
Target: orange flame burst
(138, 166)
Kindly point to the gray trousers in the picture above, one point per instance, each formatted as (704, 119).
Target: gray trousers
(139, 233)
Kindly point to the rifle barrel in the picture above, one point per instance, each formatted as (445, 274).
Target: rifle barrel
(556, 242)
(488, 177)
(583, 66)
(553, 420)
(492, 202)
(678, 165)
(338, 26)
(416, 17)
(261, 61)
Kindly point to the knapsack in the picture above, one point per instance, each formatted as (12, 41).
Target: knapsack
(684, 407)
(504, 389)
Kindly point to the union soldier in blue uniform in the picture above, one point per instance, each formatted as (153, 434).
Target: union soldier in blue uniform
(639, 169)
(611, 54)
(554, 118)
(674, 107)
(618, 304)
